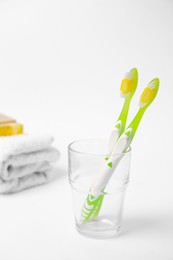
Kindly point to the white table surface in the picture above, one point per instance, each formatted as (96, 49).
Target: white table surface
(61, 64)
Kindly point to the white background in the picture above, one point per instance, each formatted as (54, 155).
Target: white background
(61, 64)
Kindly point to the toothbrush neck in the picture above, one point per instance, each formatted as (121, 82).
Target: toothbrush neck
(124, 112)
(135, 123)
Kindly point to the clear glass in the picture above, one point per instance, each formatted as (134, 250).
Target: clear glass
(85, 158)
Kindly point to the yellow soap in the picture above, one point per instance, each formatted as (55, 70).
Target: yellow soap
(11, 129)
(9, 126)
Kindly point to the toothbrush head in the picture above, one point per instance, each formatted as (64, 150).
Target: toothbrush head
(129, 83)
(149, 93)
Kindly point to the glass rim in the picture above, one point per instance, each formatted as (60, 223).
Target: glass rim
(94, 154)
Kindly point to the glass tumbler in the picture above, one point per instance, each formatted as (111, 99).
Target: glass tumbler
(85, 158)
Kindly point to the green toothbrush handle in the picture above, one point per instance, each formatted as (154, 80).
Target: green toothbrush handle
(124, 113)
(120, 125)
(135, 123)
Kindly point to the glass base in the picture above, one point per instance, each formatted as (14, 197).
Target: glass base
(99, 228)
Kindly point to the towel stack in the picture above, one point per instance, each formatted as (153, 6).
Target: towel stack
(25, 161)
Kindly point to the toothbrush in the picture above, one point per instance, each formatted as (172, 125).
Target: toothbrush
(94, 200)
(126, 138)
(127, 89)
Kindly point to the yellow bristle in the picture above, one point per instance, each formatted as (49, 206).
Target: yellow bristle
(147, 95)
(126, 86)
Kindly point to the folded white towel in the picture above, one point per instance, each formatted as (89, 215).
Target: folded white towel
(25, 161)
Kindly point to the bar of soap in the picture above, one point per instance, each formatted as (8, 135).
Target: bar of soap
(11, 129)
(9, 126)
